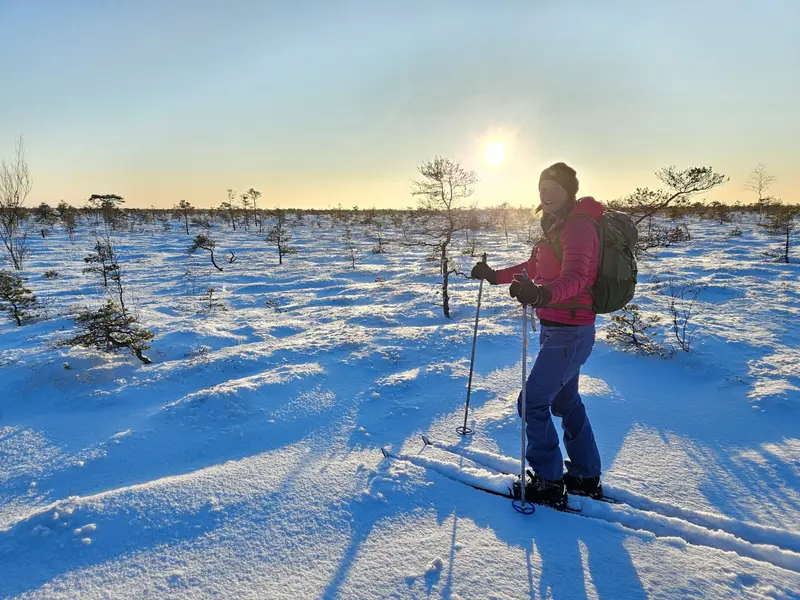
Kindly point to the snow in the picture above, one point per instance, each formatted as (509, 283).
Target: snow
(246, 460)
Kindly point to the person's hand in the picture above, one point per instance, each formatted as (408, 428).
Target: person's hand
(527, 292)
(483, 271)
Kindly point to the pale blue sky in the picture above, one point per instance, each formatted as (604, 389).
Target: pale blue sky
(316, 103)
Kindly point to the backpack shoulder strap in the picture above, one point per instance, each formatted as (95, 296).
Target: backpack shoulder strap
(559, 231)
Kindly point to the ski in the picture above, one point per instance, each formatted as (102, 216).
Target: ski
(508, 493)
(498, 463)
(425, 464)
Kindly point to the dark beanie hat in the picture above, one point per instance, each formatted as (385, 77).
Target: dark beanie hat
(563, 175)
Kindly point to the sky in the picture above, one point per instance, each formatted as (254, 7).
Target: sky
(319, 103)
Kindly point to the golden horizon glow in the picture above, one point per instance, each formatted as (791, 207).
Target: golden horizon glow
(495, 153)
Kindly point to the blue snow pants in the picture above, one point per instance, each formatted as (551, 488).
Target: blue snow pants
(552, 386)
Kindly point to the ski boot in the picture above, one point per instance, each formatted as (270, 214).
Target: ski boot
(543, 491)
(591, 487)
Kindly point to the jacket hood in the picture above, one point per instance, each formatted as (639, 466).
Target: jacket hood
(588, 206)
(583, 206)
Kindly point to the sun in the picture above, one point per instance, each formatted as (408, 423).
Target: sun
(495, 153)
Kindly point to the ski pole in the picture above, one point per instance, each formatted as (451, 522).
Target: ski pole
(522, 507)
(464, 430)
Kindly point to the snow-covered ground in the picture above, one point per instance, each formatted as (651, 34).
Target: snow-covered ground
(246, 462)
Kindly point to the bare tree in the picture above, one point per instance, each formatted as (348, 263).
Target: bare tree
(758, 182)
(681, 185)
(682, 299)
(441, 194)
(15, 185)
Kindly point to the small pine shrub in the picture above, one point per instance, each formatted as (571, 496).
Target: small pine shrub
(110, 328)
(212, 303)
(632, 330)
(202, 241)
(18, 301)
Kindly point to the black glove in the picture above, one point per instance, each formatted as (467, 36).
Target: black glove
(483, 271)
(527, 292)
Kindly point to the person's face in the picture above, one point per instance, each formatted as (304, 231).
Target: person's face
(553, 197)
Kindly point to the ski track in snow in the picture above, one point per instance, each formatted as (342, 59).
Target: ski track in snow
(749, 532)
(200, 475)
(638, 513)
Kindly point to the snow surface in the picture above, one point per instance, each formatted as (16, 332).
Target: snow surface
(246, 461)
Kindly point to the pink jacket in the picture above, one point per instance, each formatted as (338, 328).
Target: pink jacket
(566, 279)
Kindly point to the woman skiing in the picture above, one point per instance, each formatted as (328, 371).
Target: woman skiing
(562, 269)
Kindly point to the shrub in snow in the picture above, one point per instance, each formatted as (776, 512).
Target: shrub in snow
(472, 247)
(15, 299)
(279, 236)
(782, 222)
(103, 260)
(201, 223)
(111, 328)
(202, 241)
(630, 329)
(274, 305)
(736, 231)
(69, 219)
(682, 298)
(377, 232)
(212, 302)
(661, 237)
(191, 279)
(499, 218)
(350, 246)
(51, 274)
(719, 212)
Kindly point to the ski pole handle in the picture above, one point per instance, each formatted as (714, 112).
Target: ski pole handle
(524, 306)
